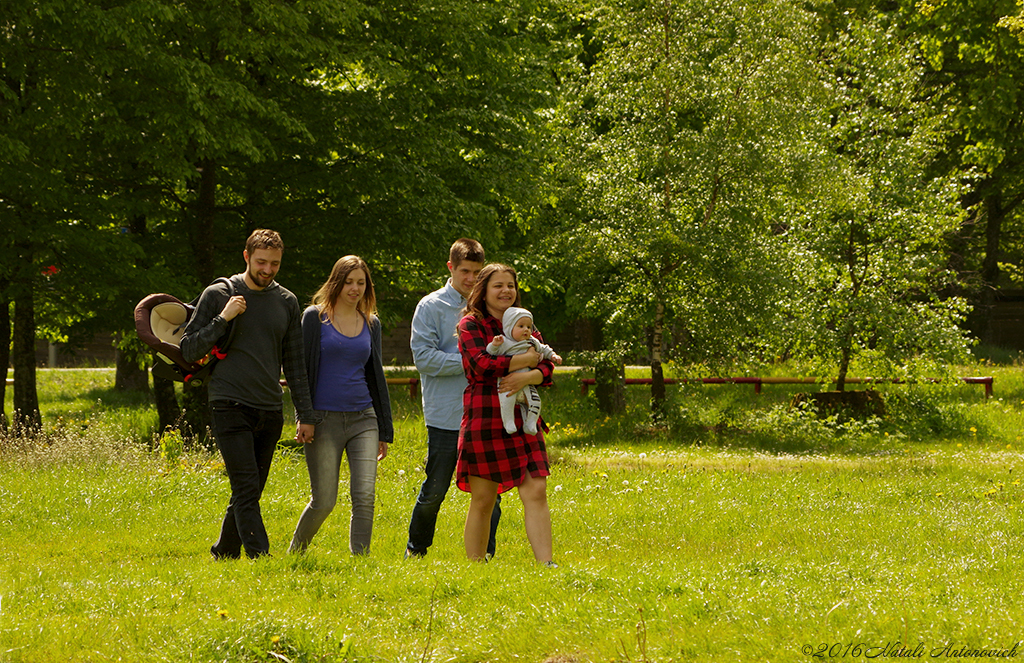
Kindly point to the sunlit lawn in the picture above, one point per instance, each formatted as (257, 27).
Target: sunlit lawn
(673, 544)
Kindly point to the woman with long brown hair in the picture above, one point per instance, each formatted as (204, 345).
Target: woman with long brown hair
(342, 338)
(491, 460)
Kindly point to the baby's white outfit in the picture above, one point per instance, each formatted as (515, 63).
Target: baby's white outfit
(528, 396)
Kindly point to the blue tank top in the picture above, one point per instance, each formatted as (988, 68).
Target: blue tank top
(341, 380)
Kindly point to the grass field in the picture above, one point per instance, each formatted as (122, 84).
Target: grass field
(734, 530)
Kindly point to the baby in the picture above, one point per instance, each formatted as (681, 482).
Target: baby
(517, 323)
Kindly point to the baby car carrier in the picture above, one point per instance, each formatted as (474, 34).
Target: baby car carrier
(160, 321)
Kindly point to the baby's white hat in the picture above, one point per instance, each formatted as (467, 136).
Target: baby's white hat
(513, 314)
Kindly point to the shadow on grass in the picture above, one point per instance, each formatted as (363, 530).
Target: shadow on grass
(727, 418)
(111, 397)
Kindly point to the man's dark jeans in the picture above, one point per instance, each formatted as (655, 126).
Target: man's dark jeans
(442, 455)
(247, 438)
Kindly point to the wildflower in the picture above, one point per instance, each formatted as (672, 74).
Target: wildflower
(401, 473)
(275, 639)
(558, 488)
(973, 430)
(223, 614)
(642, 455)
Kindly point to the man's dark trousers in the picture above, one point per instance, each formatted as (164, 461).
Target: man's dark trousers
(247, 438)
(442, 457)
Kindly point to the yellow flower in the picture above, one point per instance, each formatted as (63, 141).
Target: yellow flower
(223, 614)
(973, 430)
(275, 639)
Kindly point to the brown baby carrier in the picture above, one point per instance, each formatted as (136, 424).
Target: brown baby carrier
(160, 321)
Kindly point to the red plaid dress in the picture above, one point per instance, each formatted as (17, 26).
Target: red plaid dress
(485, 449)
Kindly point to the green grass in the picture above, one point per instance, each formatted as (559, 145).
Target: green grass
(733, 530)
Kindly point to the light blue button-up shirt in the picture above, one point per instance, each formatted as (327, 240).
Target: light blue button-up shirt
(435, 351)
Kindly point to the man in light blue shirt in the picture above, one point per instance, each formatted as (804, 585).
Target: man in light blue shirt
(435, 350)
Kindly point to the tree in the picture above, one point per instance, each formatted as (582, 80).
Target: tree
(977, 74)
(167, 131)
(39, 120)
(685, 133)
(94, 142)
(870, 250)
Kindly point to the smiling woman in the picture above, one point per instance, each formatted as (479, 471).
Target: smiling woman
(342, 339)
(492, 460)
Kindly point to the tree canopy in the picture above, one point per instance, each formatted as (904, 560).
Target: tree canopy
(714, 180)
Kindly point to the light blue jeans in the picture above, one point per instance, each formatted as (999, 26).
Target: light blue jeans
(355, 435)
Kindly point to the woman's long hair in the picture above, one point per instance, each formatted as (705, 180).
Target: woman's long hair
(476, 303)
(327, 296)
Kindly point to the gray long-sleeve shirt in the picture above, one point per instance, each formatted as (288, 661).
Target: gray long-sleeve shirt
(268, 336)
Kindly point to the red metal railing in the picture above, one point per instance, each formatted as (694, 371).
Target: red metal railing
(585, 383)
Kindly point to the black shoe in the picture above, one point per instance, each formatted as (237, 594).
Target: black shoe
(225, 555)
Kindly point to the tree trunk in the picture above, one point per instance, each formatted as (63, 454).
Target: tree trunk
(26, 401)
(195, 415)
(844, 364)
(657, 375)
(128, 375)
(167, 408)
(5, 347)
(610, 374)
(588, 336)
(203, 233)
(129, 359)
(195, 402)
(994, 216)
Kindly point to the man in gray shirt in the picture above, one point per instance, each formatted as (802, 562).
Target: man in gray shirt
(245, 389)
(435, 350)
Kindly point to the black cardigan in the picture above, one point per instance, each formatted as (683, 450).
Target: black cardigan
(374, 369)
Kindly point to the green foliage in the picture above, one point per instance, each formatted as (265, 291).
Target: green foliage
(172, 444)
(145, 140)
(679, 137)
(975, 57)
(869, 248)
